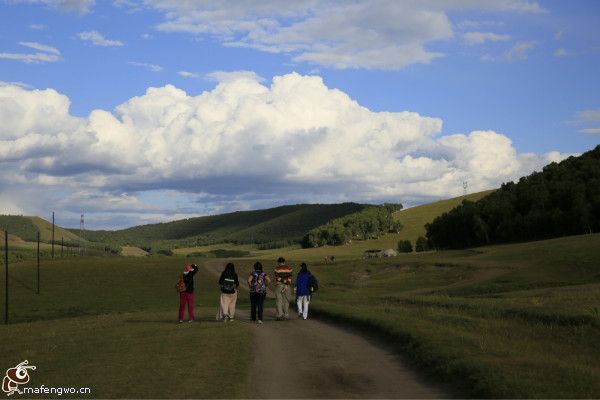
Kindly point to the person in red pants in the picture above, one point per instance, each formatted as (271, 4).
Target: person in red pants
(187, 296)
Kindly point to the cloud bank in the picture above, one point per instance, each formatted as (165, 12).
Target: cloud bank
(370, 34)
(244, 144)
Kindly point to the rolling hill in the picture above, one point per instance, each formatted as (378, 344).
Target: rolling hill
(283, 225)
(26, 228)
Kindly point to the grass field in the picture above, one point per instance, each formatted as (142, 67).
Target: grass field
(110, 324)
(513, 321)
(518, 320)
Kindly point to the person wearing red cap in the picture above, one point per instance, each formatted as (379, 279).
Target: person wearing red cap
(187, 296)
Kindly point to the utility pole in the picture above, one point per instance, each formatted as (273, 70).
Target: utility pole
(52, 234)
(6, 277)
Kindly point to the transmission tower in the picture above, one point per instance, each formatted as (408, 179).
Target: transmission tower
(81, 234)
(465, 186)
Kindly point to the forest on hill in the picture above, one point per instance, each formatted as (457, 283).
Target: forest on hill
(563, 199)
(275, 227)
(370, 223)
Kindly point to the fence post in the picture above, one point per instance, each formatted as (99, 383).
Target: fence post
(38, 262)
(6, 277)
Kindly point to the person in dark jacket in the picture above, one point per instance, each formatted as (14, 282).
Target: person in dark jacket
(229, 284)
(302, 291)
(257, 283)
(187, 296)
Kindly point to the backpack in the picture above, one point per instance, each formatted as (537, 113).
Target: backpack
(180, 285)
(313, 284)
(258, 284)
(228, 285)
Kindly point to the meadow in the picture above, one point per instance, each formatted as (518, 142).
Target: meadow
(511, 321)
(109, 324)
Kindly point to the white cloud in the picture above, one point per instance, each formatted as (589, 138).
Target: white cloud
(588, 115)
(38, 27)
(520, 51)
(229, 76)
(45, 54)
(20, 84)
(472, 38)
(295, 140)
(372, 34)
(187, 74)
(151, 67)
(80, 6)
(471, 24)
(41, 47)
(97, 39)
(561, 53)
(146, 36)
(591, 131)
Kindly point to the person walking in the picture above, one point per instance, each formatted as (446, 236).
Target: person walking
(302, 290)
(229, 285)
(283, 280)
(257, 283)
(185, 286)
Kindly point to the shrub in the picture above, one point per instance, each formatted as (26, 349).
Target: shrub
(404, 246)
(422, 244)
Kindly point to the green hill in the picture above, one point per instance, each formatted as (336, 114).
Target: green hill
(563, 199)
(413, 219)
(27, 228)
(282, 225)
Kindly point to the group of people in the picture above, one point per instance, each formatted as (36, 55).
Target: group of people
(258, 281)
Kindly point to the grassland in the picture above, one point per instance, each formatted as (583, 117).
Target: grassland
(27, 228)
(519, 320)
(413, 219)
(110, 324)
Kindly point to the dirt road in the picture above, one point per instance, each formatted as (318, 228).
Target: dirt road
(314, 359)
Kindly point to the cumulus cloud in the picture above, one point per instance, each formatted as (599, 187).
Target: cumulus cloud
(243, 142)
(97, 39)
(372, 34)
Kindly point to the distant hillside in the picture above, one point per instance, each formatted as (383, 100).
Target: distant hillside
(563, 199)
(27, 228)
(286, 224)
(413, 219)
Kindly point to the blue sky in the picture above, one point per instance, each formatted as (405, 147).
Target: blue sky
(258, 104)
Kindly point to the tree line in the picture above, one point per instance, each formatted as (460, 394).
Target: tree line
(369, 223)
(563, 199)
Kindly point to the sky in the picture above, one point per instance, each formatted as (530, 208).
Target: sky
(142, 111)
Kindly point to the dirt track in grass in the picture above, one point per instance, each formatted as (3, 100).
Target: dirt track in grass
(316, 359)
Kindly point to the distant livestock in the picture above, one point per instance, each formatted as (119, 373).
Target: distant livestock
(329, 259)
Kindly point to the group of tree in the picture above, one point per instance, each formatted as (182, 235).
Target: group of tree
(563, 199)
(405, 246)
(370, 223)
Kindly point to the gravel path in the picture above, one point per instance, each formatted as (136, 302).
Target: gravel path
(315, 359)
